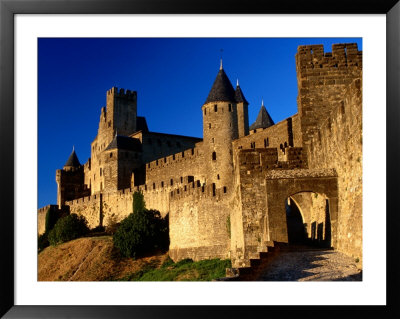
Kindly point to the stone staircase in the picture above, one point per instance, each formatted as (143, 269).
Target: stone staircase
(258, 262)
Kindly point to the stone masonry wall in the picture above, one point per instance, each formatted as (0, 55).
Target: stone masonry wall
(322, 80)
(285, 133)
(176, 167)
(339, 145)
(199, 222)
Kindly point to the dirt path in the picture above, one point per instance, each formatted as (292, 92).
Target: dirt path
(303, 263)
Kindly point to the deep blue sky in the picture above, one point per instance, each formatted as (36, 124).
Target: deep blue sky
(172, 78)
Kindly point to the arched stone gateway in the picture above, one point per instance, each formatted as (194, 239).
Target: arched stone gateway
(303, 187)
(308, 219)
(260, 217)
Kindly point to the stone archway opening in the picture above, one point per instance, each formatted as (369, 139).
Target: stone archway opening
(308, 219)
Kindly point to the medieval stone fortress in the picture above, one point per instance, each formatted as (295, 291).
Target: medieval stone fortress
(235, 192)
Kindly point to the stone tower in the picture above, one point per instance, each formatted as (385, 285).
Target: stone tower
(242, 112)
(70, 180)
(220, 128)
(119, 116)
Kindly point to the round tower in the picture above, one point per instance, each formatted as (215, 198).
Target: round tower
(220, 128)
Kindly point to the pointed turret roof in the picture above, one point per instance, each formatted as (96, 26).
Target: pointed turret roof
(263, 120)
(222, 89)
(239, 96)
(124, 143)
(73, 160)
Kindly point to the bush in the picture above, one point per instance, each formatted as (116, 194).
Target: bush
(43, 241)
(141, 233)
(68, 228)
(138, 203)
(51, 219)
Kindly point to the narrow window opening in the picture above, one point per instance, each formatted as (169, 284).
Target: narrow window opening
(171, 182)
(214, 156)
(215, 108)
(181, 179)
(162, 184)
(183, 154)
(218, 176)
(209, 125)
(230, 107)
(110, 154)
(224, 189)
(213, 189)
(154, 185)
(173, 157)
(101, 171)
(205, 111)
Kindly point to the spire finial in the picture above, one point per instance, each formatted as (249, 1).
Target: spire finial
(237, 82)
(220, 67)
(73, 148)
(116, 132)
(262, 102)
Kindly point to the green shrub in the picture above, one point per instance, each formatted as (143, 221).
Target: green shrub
(141, 233)
(51, 219)
(138, 203)
(68, 228)
(43, 241)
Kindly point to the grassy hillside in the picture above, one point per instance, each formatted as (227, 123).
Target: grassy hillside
(96, 259)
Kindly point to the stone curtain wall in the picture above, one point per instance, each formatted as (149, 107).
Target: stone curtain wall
(176, 167)
(339, 145)
(158, 145)
(89, 207)
(199, 222)
(287, 131)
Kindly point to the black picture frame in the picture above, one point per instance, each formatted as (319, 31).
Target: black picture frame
(9, 8)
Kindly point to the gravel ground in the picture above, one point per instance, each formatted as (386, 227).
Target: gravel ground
(311, 264)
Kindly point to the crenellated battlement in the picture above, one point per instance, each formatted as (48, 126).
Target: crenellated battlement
(267, 159)
(343, 56)
(122, 93)
(162, 162)
(198, 191)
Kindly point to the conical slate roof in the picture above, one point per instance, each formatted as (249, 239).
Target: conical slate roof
(124, 143)
(73, 160)
(239, 97)
(222, 89)
(263, 120)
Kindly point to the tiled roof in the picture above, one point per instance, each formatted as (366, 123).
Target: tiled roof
(141, 124)
(222, 90)
(239, 97)
(124, 143)
(263, 120)
(73, 160)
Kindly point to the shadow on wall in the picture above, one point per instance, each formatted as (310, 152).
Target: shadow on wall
(310, 223)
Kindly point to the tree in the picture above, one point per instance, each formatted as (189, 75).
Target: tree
(138, 203)
(142, 232)
(68, 228)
